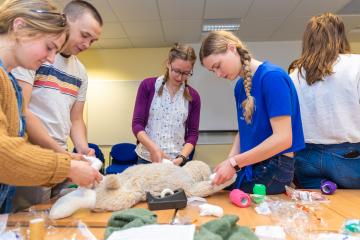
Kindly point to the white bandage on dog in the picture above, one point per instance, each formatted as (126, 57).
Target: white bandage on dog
(95, 162)
(167, 161)
(70, 203)
(212, 177)
(211, 210)
(166, 192)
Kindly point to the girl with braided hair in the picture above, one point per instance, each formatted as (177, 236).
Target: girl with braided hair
(268, 112)
(167, 111)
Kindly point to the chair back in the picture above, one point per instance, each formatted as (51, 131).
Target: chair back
(123, 153)
(98, 152)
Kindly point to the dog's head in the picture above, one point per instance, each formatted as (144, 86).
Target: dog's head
(198, 170)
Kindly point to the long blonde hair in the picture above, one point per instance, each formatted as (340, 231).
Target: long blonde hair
(40, 16)
(324, 39)
(183, 52)
(217, 42)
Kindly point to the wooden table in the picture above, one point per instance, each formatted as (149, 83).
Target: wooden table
(343, 204)
(346, 203)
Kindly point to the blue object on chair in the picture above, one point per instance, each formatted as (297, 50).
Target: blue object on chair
(122, 156)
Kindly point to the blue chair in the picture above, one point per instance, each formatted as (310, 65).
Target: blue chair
(98, 153)
(122, 156)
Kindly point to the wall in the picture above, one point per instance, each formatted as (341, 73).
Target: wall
(355, 47)
(130, 64)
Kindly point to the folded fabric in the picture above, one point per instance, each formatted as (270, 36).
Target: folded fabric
(224, 228)
(132, 217)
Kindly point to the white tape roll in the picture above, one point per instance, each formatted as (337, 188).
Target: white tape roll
(166, 192)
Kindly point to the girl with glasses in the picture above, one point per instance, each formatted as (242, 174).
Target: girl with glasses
(167, 111)
(31, 32)
(268, 112)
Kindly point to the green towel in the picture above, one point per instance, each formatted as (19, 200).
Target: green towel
(224, 228)
(132, 217)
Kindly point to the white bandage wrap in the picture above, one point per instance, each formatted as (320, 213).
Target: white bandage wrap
(211, 210)
(212, 177)
(167, 161)
(70, 203)
(95, 162)
(166, 192)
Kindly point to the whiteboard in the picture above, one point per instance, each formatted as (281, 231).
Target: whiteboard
(110, 109)
(218, 110)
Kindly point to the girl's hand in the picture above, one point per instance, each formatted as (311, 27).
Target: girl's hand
(177, 161)
(82, 174)
(158, 155)
(224, 172)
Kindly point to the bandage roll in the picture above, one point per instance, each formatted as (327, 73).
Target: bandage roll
(328, 187)
(239, 198)
(166, 192)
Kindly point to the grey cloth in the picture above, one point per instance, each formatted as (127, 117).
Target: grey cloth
(128, 218)
(224, 228)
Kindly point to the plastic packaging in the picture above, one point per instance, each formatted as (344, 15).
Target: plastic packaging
(297, 219)
(39, 227)
(305, 196)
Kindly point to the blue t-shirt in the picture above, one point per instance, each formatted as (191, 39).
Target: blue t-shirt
(275, 95)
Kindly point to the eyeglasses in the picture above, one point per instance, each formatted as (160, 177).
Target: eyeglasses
(179, 73)
(61, 15)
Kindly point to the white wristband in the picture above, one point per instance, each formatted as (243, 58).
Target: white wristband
(234, 164)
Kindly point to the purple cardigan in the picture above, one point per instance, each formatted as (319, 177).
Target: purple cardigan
(144, 98)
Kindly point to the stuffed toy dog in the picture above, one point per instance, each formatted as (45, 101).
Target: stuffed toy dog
(121, 191)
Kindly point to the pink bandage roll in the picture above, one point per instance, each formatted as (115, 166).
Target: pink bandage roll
(239, 198)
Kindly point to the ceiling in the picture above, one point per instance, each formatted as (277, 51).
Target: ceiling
(160, 23)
